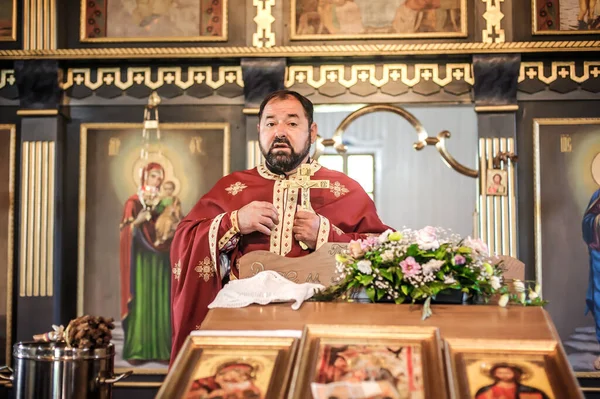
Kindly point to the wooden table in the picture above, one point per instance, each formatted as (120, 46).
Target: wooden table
(454, 321)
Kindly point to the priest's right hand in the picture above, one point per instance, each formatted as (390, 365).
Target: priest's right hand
(258, 216)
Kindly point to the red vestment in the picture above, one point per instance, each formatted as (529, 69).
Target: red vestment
(210, 229)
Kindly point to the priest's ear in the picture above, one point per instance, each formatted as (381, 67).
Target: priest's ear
(313, 133)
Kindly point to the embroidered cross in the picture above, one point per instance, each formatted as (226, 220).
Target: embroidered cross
(338, 189)
(177, 270)
(303, 181)
(236, 188)
(205, 269)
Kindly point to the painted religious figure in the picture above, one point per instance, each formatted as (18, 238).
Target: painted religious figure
(363, 371)
(7, 19)
(330, 19)
(591, 236)
(147, 227)
(132, 205)
(220, 375)
(566, 16)
(154, 20)
(508, 384)
(496, 182)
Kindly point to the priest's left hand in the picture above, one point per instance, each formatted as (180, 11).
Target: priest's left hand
(306, 227)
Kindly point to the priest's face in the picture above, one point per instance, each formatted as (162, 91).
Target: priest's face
(284, 135)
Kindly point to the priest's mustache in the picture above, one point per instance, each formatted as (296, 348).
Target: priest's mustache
(281, 140)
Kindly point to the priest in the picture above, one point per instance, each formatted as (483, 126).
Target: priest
(271, 207)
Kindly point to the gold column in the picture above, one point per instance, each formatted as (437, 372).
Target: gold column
(497, 214)
(37, 219)
(253, 155)
(39, 25)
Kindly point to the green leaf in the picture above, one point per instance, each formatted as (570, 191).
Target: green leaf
(386, 274)
(380, 293)
(364, 279)
(404, 290)
(417, 293)
(399, 274)
(399, 300)
(370, 293)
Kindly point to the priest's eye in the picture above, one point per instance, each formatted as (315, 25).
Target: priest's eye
(293, 124)
(270, 124)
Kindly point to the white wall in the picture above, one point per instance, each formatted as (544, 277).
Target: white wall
(416, 188)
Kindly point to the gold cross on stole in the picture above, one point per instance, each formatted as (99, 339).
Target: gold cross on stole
(304, 182)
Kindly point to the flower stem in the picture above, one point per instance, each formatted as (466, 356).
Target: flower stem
(427, 308)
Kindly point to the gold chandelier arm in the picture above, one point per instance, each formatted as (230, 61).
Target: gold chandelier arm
(423, 138)
(440, 145)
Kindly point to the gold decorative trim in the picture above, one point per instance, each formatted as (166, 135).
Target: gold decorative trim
(13, 33)
(10, 238)
(264, 37)
(138, 384)
(497, 214)
(7, 76)
(50, 207)
(389, 72)
(423, 137)
(37, 112)
(213, 234)
(250, 111)
(39, 27)
(83, 182)
(558, 70)
(323, 234)
(315, 76)
(496, 108)
(37, 240)
(493, 32)
(164, 75)
(85, 39)
(376, 74)
(254, 156)
(417, 35)
(363, 50)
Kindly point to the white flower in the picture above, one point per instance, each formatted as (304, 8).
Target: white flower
(432, 266)
(477, 245)
(364, 266)
(495, 282)
(383, 237)
(387, 255)
(518, 286)
(427, 239)
(533, 295)
(449, 280)
(503, 301)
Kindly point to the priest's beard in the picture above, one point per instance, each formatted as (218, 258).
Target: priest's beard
(281, 162)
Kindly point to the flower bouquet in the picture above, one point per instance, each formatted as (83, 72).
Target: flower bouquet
(416, 265)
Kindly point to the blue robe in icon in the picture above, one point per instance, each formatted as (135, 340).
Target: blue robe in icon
(591, 236)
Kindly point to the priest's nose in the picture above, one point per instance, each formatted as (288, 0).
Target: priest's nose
(280, 131)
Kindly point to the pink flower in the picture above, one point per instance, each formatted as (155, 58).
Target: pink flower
(477, 245)
(355, 249)
(368, 243)
(410, 267)
(459, 260)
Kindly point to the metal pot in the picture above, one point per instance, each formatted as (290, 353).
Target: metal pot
(49, 370)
